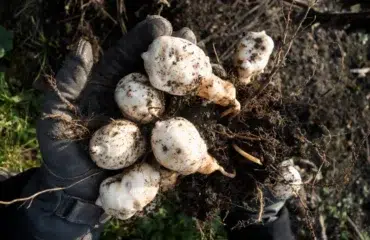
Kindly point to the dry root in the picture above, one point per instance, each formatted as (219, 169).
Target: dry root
(247, 155)
(68, 128)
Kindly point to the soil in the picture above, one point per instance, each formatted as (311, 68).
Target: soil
(308, 106)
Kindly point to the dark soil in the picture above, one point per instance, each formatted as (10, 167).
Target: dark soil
(320, 114)
(307, 106)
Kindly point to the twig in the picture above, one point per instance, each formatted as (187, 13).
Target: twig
(367, 148)
(52, 82)
(46, 191)
(317, 174)
(308, 218)
(355, 228)
(232, 25)
(297, 3)
(335, 19)
(262, 204)
(214, 50)
(323, 228)
(233, 135)
(108, 15)
(121, 9)
(226, 215)
(200, 229)
(229, 51)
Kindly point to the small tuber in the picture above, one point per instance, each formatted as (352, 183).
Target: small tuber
(138, 100)
(289, 180)
(177, 145)
(180, 67)
(117, 145)
(252, 55)
(121, 196)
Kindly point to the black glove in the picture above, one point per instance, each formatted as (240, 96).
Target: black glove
(71, 213)
(273, 222)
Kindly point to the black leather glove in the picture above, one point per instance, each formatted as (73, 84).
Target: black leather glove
(273, 222)
(71, 213)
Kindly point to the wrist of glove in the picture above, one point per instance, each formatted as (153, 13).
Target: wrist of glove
(57, 215)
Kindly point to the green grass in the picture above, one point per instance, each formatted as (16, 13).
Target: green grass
(18, 144)
(167, 223)
(18, 108)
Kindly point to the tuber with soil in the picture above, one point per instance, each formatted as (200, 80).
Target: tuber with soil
(179, 67)
(177, 145)
(252, 55)
(138, 100)
(123, 195)
(117, 145)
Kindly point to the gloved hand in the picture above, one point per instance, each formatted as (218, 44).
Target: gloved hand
(71, 213)
(288, 182)
(273, 221)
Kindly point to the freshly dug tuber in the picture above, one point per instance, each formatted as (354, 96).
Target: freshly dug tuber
(177, 145)
(179, 67)
(121, 196)
(138, 100)
(289, 180)
(252, 55)
(117, 145)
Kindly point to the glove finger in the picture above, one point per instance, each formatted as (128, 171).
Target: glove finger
(69, 83)
(63, 157)
(186, 33)
(72, 77)
(98, 97)
(125, 57)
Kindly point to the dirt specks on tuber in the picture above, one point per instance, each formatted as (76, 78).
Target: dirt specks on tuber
(179, 67)
(121, 196)
(117, 145)
(138, 100)
(186, 151)
(252, 55)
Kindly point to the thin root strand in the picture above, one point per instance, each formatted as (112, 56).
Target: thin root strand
(247, 155)
(227, 174)
(233, 111)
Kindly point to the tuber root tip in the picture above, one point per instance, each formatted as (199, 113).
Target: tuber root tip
(233, 111)
(211, 165)
(247, 155)
(227, 174)
(168, 179)
(98, 202)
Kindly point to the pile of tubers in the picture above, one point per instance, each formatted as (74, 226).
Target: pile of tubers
(178, 67)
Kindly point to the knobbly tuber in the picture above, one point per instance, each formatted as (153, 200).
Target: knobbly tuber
(138, 100)
(252, 55)
(117, 145)
(123, 195)
(177, 145)
(179, 67)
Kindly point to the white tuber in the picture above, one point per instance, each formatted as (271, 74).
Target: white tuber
(179, 67)
(252, 55)
(121, 196)
(289, 180)
(177, 145)
(117, 145)
(138, 100)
